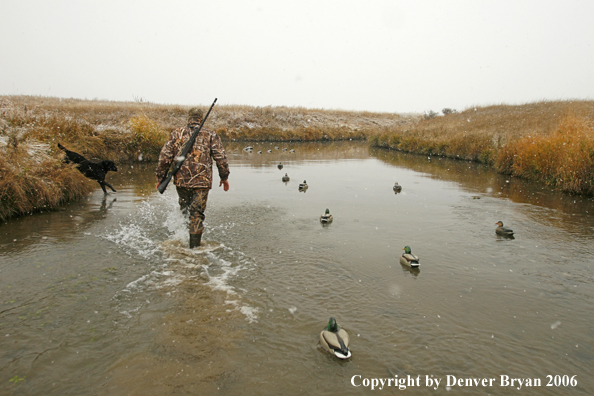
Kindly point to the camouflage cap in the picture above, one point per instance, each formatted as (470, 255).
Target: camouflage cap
(195, 112)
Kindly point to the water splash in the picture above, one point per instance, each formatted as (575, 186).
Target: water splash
(170, 262)
(134, 240)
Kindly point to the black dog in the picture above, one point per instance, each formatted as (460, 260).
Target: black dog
(92, 170)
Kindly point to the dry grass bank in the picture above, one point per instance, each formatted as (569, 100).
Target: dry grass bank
(32, 177)
(550, 142)
(232, 122)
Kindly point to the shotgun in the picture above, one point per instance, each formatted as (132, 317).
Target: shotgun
(181, 157)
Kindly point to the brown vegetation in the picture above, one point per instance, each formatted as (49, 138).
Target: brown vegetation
(550, 142)
(32, 181)
(33, 178)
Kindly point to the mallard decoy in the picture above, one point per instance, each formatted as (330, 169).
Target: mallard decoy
(280, 166)
(397, 187)
(409, 259)
(326, 217)
(501, 230)
(286, 178)
(303, 186)
(335, 340)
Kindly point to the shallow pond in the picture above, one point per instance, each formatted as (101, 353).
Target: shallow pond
(103, 298)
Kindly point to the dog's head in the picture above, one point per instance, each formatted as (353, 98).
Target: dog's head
(109, 165)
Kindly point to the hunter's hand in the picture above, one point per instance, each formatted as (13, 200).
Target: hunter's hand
(225, 184)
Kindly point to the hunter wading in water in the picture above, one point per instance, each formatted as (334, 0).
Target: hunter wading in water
(194, 178)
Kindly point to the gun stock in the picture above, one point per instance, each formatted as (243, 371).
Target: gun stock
(164, 183)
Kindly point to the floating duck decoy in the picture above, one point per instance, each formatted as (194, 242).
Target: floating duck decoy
(270, 151)
(292, 151)
(259, 151)
(408, 258)
(280, 166)
(303, 186)
(335, 340)
(286, 178)
(284, 149)
(504, 231)
(326, 217)
(397, 187)
(248, 148)
(276, 147)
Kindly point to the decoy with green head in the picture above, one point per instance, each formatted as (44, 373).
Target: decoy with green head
(409, 259)
(326, 217)
(303, 186)
(335, 340)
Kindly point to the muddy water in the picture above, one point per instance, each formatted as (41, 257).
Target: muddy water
(103, 298)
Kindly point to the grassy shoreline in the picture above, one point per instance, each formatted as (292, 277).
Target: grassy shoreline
(552, 142)
(548, 142)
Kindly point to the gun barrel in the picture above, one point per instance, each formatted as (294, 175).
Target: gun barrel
(184, 153)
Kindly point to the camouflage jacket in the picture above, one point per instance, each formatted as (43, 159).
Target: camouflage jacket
(196, 171)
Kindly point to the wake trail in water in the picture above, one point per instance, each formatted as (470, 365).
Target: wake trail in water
(158, 233)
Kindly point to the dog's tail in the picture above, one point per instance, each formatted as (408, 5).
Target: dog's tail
(66, 158)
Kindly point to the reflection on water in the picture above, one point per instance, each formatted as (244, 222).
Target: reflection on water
(103, 297)
(573, 211)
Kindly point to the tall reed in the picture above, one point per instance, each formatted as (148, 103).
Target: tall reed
(33, 178)
(550, 142)
(30, 186)
(546, 141)
(563, 158)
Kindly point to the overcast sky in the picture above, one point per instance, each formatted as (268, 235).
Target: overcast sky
(386, 56)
